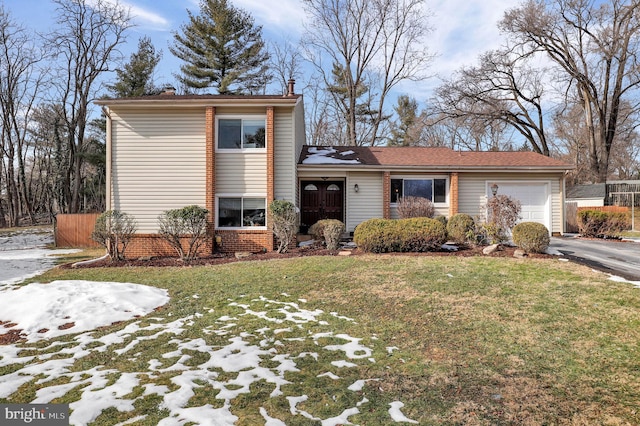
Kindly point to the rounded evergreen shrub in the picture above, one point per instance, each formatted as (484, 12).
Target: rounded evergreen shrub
(376, 236)
(421, 234)
(459, 227)
(532, 237)
(400, 235)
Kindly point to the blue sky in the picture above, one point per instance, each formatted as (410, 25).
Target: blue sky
(462, 29)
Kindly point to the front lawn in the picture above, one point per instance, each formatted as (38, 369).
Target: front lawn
(370, 340)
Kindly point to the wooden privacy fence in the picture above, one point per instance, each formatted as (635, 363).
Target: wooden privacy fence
(74, 230)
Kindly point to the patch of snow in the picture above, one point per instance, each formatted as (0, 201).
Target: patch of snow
(349, 152)
(397, 415)
(329, 375)
(343, 364)
(358, 385)
(390, 349)
(319, 155)
(84, 305)
(553, 251)
(624, 280)
(270, 421)
(449, 247)
(226, 371)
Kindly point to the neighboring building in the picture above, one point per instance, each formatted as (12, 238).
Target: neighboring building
(591, 195)
(235, 154)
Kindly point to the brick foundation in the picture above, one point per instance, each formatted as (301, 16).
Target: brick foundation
(145, 245)
(241, 240)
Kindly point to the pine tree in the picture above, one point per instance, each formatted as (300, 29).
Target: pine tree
(403, 131)
(136, 77)
(222, 48)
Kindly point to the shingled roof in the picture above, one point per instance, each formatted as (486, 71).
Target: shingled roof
(425, 157)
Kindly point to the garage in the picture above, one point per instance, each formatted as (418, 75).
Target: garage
(534, 199)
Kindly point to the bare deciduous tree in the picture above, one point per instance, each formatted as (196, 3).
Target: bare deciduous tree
(20, 83)
(367, 47)
(86, 45)
(502, 89)
(594, 45)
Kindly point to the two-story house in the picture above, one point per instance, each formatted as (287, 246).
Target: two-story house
(233, 155)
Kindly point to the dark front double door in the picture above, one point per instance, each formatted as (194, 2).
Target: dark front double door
(322, 200)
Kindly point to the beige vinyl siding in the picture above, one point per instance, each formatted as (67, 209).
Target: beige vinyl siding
(158, 166)
(367, 203)
(241, 173)
(473, 192)
(285, 155)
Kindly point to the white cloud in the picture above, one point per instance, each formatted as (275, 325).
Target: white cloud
(141, 15)
(147, 17)
(287, 15)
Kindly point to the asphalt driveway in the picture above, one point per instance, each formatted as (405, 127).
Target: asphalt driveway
(621, 258)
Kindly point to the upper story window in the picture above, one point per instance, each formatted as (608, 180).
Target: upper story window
(241, 133)
(434, 190)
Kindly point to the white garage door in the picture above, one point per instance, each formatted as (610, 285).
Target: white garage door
(533, 197)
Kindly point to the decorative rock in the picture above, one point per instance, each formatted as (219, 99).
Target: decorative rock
(520, 254)
(344, 253)
(243, 254)
(490, 249)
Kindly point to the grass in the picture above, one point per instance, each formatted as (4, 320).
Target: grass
(480, 340)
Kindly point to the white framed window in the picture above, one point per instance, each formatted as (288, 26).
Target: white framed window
(241, 132)
(242, 212)
(434, 189)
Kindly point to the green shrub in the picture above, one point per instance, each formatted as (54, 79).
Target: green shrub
(596, 223)
(532, 237)
(442, 219)
(188, 223)
(459, 226)
(376, 236)
(283, 222)
(420, 234)
(114, 230)
(401, 235)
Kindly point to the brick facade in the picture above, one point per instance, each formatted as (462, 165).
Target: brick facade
(386, 195)
(271, 161)
(453, 194)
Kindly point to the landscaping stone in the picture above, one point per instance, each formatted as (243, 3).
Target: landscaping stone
(490, 249)
(519, 254)
(243, 254)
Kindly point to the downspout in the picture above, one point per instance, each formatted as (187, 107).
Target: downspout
(107, 203)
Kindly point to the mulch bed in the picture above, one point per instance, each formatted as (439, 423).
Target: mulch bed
(312, 250)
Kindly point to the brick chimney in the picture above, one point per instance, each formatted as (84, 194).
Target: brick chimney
(168, 90)
(290, 84)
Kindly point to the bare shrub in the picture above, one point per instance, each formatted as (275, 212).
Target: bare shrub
(502, 214)
(283, 222)
(409, 207)
(188, 223)
(114, 230)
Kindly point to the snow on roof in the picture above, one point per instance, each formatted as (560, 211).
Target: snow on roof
(325, 155)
